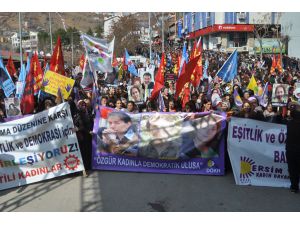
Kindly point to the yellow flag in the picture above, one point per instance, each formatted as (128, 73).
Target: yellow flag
(253, 85)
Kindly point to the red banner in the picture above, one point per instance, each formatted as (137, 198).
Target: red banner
(220, 28)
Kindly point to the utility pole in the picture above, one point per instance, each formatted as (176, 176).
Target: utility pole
(150, 48)
(20, 33)
(50, 33)
(72, 48)
(163, 33)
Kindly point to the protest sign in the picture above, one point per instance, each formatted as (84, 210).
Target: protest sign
(159, 142)
(52, 81)
(257, 153)
(135, 93)
(280, 94)
(12, 107)
(38, 147)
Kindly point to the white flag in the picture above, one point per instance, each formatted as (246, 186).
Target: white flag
(99, 53)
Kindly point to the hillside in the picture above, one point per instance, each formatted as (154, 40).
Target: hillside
(36, 21)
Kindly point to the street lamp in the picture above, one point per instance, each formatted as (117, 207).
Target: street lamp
(72, 45)
(72, 49)
(50, 30)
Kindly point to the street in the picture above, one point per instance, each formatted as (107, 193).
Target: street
(106, 191)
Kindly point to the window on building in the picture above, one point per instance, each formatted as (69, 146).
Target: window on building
(237, 39)
(208, 21)
(193, 21)
(241, 16)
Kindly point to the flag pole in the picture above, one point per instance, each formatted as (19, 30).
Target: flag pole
(95, 76)
(86, 52)
(150, 49)
(50, 30)
(20, 33)
(163, 33)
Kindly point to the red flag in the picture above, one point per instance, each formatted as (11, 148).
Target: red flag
(81, 62)
(186, 75)
(45, 63)
(159, 78)
(125, 67)
(274, 64)
(57, 59)
(197, 73)
(193, 52)
(160, 73)
(186, 95)
(178, 65)
(157, 87)
(115, 62)
(11, 67)
(37, 73)
(27, 102)
(279, 65)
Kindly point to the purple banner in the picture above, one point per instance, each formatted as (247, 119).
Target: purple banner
(181, 143)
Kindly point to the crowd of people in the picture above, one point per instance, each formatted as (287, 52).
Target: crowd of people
(131, 94)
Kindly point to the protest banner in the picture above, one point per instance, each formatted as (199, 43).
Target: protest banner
(280, 94)
(147, 79)
(257, 153)
(269, 46)
(52, 81)
(8, 87)
(12, 107)
(6, 82)
(170, 77)
(159, 142)
(296, 92)
(38, 147)
(19, 87)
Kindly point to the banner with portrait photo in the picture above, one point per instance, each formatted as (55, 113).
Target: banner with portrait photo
(38, 147)
(147, 76)
(147, 83)
(257, 153)
(280, 94)
(135, 93)
(12, 107)
(297, 92)
(159, 142)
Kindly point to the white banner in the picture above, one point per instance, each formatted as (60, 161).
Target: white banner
(38, 147)
(257, 153)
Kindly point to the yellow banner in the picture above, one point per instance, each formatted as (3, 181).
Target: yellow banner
(52, 81)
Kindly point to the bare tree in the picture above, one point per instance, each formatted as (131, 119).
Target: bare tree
(261, 30)
(126, 32)
(282, 37)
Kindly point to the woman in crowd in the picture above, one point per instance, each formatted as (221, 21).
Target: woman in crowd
(207, 106)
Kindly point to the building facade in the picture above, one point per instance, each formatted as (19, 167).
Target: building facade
(29, 41)
(226, 31)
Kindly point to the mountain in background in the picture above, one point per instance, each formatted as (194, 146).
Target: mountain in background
(39, 21)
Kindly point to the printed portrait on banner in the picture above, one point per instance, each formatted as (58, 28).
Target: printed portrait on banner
(135, 93)
(280, 94)
(12, 107)
(133, 142)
